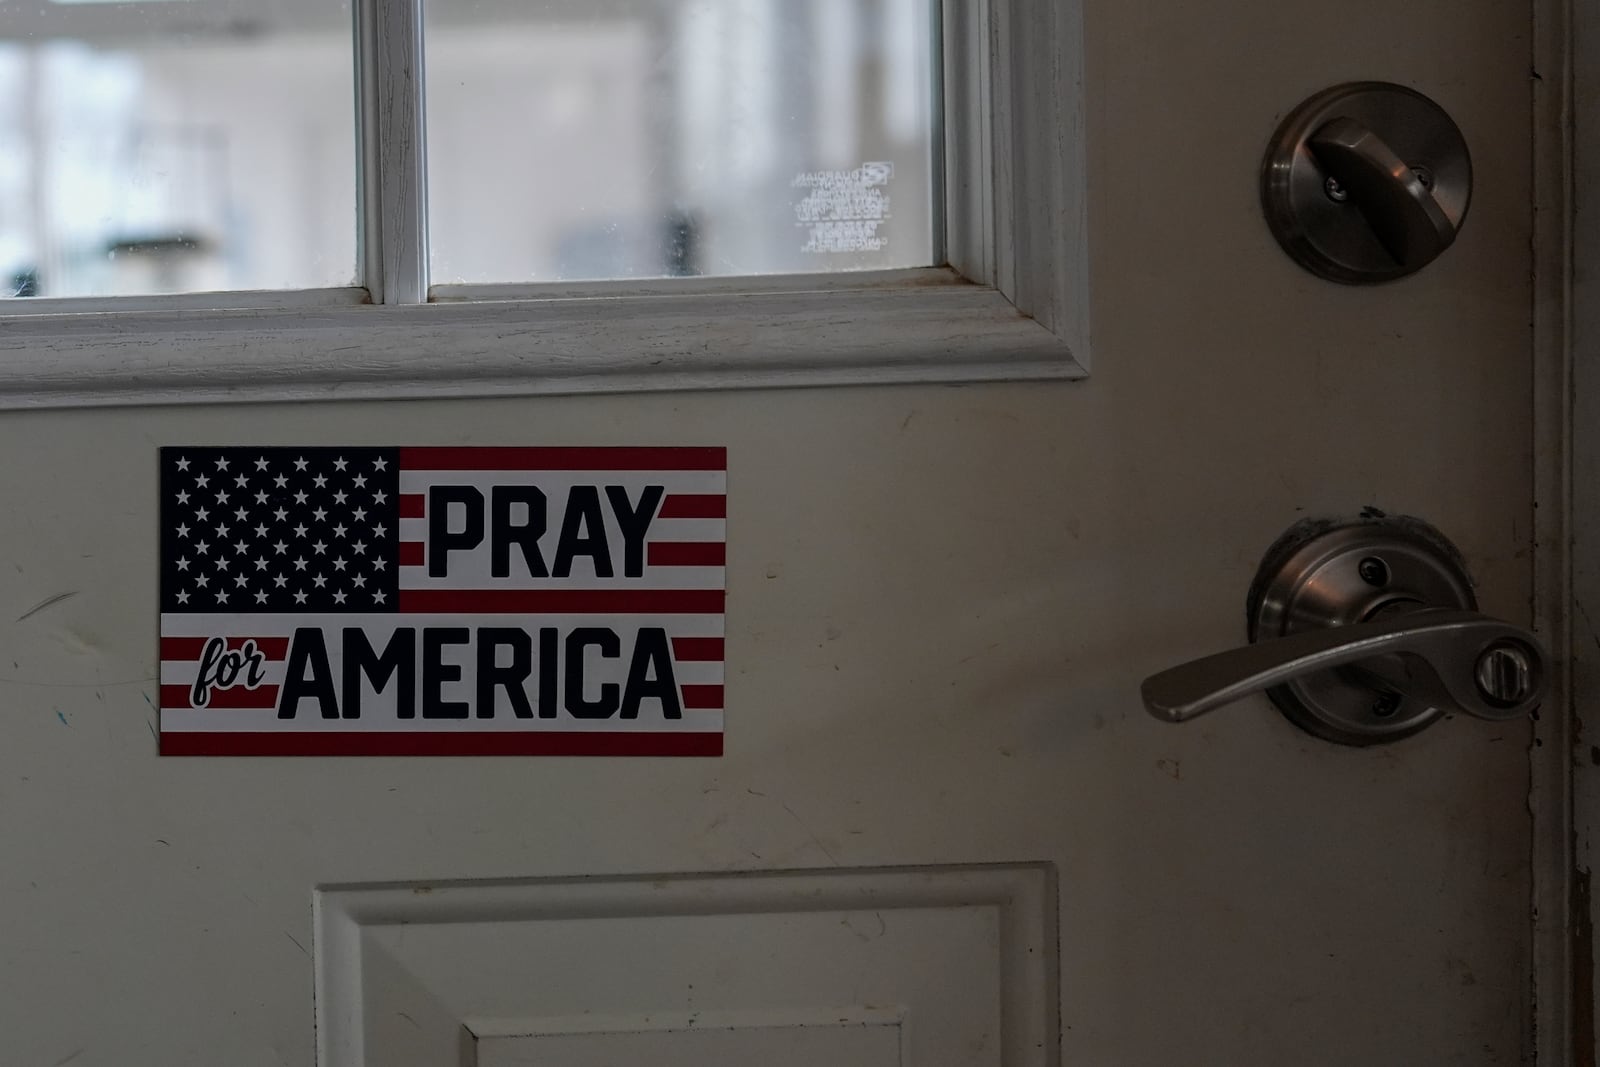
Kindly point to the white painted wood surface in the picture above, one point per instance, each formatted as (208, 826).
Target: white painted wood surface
(1016, 151)
(1582, 743)
(393, 150)
(941, 602)
(838, 1044)
(1040, 152)
(622, 344)
(1563, 1026)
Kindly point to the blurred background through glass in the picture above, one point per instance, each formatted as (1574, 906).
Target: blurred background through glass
(175, 146)
(166, 146)
(593, 139)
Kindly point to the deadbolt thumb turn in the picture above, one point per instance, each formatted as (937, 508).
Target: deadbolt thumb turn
(1366, 182)
(1361, 633)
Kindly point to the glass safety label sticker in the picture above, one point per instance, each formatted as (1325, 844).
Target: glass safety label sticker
(844, 210)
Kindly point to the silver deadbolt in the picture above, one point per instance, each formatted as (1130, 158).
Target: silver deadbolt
(1366, 182)
(1363, 632)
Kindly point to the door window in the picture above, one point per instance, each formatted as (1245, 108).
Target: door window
(173, 147)
(648, 139)
(759, 192)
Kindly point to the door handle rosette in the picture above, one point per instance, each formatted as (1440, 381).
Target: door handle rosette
(1362, 633)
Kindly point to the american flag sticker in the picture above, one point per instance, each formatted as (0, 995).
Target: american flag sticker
(442, 601)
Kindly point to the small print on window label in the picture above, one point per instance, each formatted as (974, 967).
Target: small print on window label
(842, 210)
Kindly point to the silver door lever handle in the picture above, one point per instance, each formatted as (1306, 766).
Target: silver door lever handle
(1458, 660)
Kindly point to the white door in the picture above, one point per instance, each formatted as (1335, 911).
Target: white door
(941, 603)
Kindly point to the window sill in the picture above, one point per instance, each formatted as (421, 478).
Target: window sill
(939, 329)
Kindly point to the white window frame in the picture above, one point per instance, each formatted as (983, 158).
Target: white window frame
(1012, 302)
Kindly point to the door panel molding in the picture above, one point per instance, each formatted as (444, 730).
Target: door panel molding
(960, 961)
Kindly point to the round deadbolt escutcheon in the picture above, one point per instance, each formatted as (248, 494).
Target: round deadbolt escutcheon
(1366, 182)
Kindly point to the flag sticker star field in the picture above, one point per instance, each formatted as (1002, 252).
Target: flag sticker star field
(442, 601)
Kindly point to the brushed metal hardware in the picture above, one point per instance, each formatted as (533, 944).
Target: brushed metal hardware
(1366, 182)
(1362, 633)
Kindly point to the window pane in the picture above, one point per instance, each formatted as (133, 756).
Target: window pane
(589, 139)
(178, 146)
